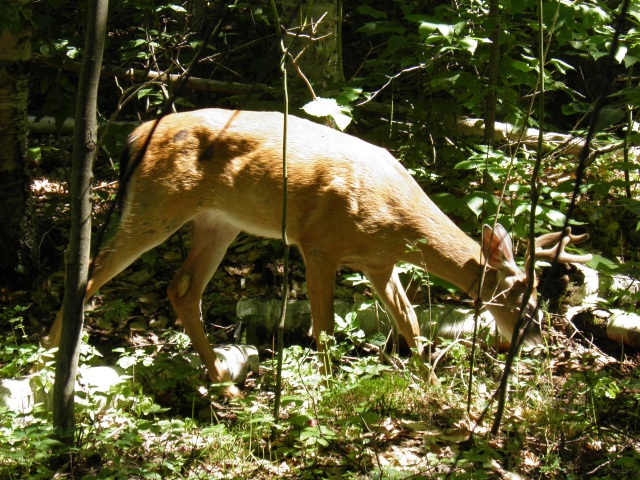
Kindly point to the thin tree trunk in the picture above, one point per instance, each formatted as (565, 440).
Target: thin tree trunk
(84, 146)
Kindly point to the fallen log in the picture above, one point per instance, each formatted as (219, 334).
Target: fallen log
(510, 133)
(570, 144)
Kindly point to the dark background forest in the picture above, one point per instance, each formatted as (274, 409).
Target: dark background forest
(455, 91)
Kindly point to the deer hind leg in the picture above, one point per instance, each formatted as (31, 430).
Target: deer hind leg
(211, 237)
(129, 242)
(388, 287)
(321, 278)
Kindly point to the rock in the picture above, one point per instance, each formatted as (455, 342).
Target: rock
(22, 394)
(17, 394)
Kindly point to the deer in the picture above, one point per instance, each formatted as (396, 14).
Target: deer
(350, 203)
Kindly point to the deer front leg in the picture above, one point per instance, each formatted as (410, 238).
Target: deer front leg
(321, 277)
(388, 287)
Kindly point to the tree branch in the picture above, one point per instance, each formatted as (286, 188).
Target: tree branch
(194, 83)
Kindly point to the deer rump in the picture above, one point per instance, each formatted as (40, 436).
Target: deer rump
(349, 203)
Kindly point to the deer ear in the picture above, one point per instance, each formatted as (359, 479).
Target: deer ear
(497, 248)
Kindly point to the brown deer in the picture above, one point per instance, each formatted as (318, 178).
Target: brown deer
(350, 203)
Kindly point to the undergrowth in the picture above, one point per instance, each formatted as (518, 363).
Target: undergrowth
(567, 417)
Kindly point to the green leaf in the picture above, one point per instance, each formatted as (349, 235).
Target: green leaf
(521, 66)
(576, 108)
(632, 205)
(555, 217)
(175, 8)
(348, 95)
(427, 28)
(608, 117)
(623, 165)
(475, 204)
(470, 164)
(469, 44)
(372, 12)
(329, 107)
(143, 92)
(445, 79)
(395, 43)
(603, 264)
(34, 154)
(561, 65)
(383, 26)
(446, 202)
(620, 53)
(322, 107)
(301, 420)
(630, 60)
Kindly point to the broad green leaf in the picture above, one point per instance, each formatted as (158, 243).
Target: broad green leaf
(329, 107)
(576, 107)
(561, 65)
(608, 117)
(372, 12)
(445, 79)
(521, 66)
(469, 44)
(475, 204)
(630, 60)
(624, 166)
(480, 203)
(446, 202)
(143, 92)
(470, 164)
(620, 54)
(632, 205)
(556, 217)
(322, 107)
(521, 209)
(603, 264)
(375, 28)
(34, 154)
(348, 95)
(175, 8)
(427, 28)
(396, 42)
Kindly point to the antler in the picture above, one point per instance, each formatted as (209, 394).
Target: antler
(559, 240)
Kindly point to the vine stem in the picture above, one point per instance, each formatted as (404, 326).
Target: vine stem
(285, 241)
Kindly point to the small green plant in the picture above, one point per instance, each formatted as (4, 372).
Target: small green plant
(114, 313)
(17, 353)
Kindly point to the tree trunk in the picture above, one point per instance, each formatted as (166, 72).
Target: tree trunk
(84, 148)
(15, 52)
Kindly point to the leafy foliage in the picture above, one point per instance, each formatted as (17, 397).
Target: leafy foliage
(368, 418)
